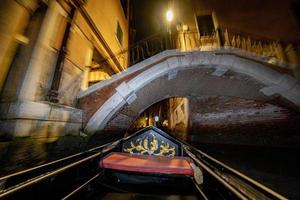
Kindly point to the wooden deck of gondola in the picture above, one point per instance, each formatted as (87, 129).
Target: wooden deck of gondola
(134, 196)
(75, 176)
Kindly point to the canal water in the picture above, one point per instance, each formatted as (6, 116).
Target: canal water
(277, 168)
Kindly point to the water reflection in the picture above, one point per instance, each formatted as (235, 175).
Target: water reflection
(23, 152)
(45, 144)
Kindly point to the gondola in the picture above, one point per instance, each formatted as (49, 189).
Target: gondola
(149, 164)
(153, 164)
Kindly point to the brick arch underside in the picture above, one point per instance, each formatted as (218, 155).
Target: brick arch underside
(190, 83)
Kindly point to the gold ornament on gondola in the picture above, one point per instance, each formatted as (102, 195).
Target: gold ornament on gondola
(150, 146)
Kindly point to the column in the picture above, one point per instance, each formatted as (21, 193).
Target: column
(14, 16)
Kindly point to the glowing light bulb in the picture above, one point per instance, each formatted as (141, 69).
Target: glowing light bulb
(169, 15)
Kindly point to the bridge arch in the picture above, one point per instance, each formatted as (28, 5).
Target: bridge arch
(193, 74)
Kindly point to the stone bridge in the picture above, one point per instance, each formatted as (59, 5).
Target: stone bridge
(115, 103)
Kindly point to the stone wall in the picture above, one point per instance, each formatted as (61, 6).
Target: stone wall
(11, 31)
(39, 29)
(231, 120)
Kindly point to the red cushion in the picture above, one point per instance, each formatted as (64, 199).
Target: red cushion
(147, 164)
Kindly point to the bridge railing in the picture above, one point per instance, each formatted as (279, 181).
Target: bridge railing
(274, 52)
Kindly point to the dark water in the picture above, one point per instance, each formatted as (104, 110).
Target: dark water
(277, 168)
(21, 153)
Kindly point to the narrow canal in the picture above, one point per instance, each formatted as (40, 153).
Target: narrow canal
(277, 168)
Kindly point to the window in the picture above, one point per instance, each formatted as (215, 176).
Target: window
(205, 25)
(119, 34)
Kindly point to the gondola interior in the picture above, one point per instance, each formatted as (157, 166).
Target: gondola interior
(149, 163)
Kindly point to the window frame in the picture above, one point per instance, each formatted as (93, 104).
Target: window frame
(120, 37)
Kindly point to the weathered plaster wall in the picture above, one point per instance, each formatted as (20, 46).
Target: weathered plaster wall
(106, 15)
(32, 69)
(13, 19)
(178, 116)
(23, 101)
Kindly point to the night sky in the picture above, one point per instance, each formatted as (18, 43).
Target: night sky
(148, 17)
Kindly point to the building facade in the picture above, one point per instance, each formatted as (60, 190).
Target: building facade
(268, 28)
(50, 51)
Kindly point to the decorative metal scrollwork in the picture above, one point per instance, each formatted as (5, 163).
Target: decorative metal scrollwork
(150, 145)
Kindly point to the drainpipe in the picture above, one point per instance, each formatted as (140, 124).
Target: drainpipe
(53, 93)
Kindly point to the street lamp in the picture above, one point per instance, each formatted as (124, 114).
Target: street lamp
(169, 15)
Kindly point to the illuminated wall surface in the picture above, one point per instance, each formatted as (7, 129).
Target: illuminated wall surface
(32, 33)
(21, 30)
